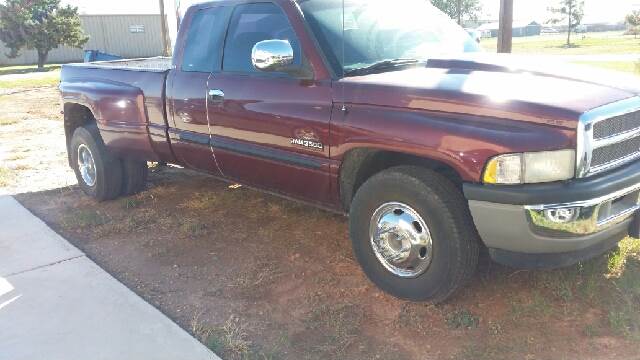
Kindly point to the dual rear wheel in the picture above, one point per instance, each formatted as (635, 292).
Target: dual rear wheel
(100, 174)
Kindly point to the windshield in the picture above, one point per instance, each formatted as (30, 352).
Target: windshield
(381, 30)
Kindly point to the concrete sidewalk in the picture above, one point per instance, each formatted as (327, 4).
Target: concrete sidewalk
(56, 304)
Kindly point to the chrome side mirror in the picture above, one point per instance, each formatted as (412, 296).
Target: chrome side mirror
(272, 55)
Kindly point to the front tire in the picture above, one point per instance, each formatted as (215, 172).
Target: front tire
(98, 172)
(413, 235)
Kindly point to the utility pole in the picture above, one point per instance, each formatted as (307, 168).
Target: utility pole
(459, 11)
(505, 33)
(570, 23)
(163, 29)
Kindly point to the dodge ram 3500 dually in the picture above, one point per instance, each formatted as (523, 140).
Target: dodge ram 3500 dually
(384, 111)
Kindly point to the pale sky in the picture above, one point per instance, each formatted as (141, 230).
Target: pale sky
(525, 10)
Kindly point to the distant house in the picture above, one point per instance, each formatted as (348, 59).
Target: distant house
(520, 29)
(595, 27)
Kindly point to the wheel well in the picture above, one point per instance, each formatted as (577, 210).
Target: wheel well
(361, 164)
(75, 116)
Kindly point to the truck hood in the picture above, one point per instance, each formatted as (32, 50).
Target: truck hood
(532, 89)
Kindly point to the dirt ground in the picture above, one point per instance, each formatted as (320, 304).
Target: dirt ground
(254, 276)
(32, 142)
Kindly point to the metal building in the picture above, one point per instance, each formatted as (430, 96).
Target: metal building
(519, 28)
(129, 36)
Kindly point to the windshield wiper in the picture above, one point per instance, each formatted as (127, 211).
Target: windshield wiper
(381, 66)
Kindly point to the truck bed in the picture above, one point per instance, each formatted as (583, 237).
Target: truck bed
(126, 98)
(153, 64)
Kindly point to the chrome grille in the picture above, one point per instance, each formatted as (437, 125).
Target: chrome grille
(616, 125)
(615, 152)
(608, 137)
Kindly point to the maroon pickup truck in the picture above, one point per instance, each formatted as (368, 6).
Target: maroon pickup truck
(385, 111)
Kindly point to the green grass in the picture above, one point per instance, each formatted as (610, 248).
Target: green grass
(611, 282)
(50, 79)
(26, 69)
(593, 43)
(130, 203)
(462, 319)
(623, 66)
(624, 274)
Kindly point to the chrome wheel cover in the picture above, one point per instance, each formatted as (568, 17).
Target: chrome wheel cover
(86, 165)
(401, 240)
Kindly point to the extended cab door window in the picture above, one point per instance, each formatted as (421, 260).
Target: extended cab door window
(187, 86)
(202, 52)
(250, 24)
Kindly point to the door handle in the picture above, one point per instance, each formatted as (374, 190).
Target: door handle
(216, 96)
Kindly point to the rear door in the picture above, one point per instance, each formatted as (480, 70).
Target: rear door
(187, 86)
(270, 130)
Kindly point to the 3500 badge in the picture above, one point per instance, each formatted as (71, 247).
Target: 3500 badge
(308, 144)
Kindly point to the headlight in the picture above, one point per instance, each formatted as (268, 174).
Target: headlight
(527, 168)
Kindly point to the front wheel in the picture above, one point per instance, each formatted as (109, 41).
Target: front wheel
(413, 235)
(98, 172)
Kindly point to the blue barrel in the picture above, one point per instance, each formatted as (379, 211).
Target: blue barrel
(96, 55)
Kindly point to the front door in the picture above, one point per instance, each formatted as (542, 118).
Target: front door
(270, 130)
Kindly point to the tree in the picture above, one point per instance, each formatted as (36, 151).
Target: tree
(41, 25)
(633, 20)
(571, 11)
(459, 9)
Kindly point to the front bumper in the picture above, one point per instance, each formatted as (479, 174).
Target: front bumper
(557, 224)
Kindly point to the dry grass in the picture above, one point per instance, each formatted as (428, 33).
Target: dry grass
(264, 273)
(337, 325)
(6, 122)
(193, 228)
(84, 219)
(235, 336)
(16, 157)
(201, 201)
(7, 177)
(230, 339)
(32, 142)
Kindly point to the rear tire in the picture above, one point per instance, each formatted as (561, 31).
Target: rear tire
(134, 176)
(98, 172)
(418, 196)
